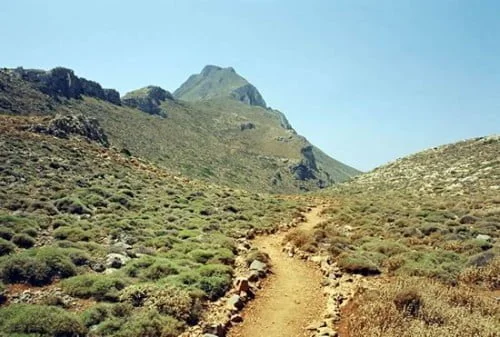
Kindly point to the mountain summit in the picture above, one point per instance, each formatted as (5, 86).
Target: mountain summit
(218, 82)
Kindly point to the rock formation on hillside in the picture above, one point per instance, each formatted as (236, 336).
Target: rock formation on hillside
(148, 99)
(62, 82)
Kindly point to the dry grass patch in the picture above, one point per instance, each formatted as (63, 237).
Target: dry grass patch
(422, 307)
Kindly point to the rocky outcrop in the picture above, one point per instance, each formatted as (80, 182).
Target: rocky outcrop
(63, 83)
(65, 126)
(148, 99)
(248, 94)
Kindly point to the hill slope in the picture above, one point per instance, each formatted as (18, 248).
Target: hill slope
(221, 140)
(429, 225)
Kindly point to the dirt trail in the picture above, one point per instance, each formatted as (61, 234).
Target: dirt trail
(291, 297)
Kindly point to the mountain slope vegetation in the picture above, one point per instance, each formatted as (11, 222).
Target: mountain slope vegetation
(222, 140)
(427, 226)
(94, 240)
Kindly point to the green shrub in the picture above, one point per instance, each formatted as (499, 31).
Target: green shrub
(72, 206)
(442, 265)
(31, 232)
(6, 233)
(160, 269)
(96, 314)
(16, 223)
(356, 263)
(78, 257)
(71, 234)
(6, 247)
(38, 319)
(162, 298)
(202, 256)
(23, 240)
(99, 287)
(150, 324)
(36, 266)
(215, 286)
(135, 267)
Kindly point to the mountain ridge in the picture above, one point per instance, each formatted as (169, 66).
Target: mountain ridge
(223, 139)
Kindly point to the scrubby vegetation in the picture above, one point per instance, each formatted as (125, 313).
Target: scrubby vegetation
(434, 215)
(420, 307)
(136, 248)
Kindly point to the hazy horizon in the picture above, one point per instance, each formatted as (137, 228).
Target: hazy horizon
(365, 81)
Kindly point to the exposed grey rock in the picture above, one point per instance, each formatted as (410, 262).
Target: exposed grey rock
(483, 237)
(249, 94)
(98, 267)
(327, 332)
(259, 267)
(112, 96)
(62, 82)
(148, 99)
(316, 325)
(116, 260)
(235, 303)
(65, 126)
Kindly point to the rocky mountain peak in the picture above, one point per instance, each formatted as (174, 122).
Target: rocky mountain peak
(217, 82)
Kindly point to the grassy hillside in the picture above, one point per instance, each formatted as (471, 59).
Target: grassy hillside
(85, 230)
(429, 224)
(222, 140)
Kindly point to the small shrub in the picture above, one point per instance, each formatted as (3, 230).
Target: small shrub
(72, 206)
(99, 287)
(255, 254)
(6, 233)
(356, 263)
(408, 302)
(31, 232)
(36, 267)
(96, 314)
(165, 299)
(6, 247)
(297, 237)
(38, 319)
(160, 270)
(23, 240)
(71, 234)
(149, 324)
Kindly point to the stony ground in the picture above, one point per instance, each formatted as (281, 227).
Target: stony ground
(292, 297)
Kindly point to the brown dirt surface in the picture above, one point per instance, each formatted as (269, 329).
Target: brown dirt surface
(291, 297)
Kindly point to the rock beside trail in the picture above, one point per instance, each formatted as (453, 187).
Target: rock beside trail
(259, 267)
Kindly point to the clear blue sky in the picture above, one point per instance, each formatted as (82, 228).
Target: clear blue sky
(366, 81)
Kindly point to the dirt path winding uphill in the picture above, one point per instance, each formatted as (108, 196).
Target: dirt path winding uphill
(291, 297)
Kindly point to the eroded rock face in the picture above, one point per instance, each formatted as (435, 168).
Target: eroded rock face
(249, 94)
(62, 82)
(148, 99)
(65, 126)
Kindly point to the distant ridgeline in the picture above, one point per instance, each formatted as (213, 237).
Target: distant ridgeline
(216, 126)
